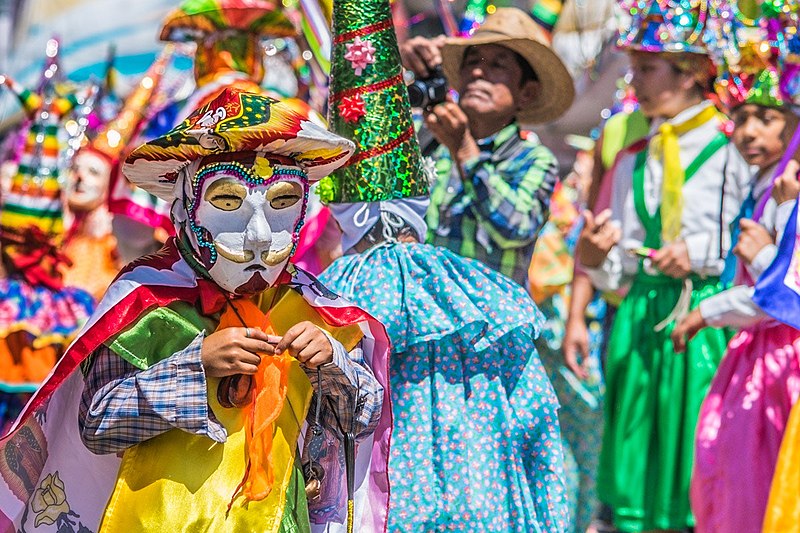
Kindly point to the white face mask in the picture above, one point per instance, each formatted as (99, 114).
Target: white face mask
(89, 177)
(244, 223)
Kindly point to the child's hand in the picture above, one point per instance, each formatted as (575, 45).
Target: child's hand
(575, 345)
(597, 238)
(234, 351)
(686, 329)
(787, 186)
(673, 260)
(753, 238)
(308, 344)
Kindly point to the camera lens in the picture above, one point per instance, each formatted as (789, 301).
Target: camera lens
(417, 94)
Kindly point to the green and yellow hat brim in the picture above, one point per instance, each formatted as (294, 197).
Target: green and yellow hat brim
(197, 18)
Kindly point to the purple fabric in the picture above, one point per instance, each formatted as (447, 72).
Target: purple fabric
(787, 156)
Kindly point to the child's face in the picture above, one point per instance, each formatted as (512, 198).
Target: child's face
(758, 134)
(661, 90)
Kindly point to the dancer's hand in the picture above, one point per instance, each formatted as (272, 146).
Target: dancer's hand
(308, 344)
(673, 260)
(575, 347)
(686, 329)
(597, 238)
(234, 351)
(752, 239)
(787, 186)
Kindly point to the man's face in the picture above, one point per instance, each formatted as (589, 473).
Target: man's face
(491, 83)
(757, 134)
(246, 221)
(88, 182)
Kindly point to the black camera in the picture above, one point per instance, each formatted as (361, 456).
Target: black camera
(427, 92)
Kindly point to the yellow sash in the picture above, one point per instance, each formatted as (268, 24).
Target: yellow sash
(674, 176)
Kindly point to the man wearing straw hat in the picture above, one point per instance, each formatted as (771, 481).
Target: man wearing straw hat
(493, 185)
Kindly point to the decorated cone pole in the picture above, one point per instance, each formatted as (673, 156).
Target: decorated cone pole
(369, 105)
(115, 136)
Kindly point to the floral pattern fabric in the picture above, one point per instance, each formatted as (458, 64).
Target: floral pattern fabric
(43, 312)
(476, 443)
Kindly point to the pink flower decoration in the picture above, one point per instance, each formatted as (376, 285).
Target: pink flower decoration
(352, 108)
(9, 312)
(360, 54)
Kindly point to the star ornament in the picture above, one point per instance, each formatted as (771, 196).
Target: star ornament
(352, 108)
(360, 54)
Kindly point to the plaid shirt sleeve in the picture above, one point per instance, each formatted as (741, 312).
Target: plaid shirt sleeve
(512, 197)
(352, 388)
(122, 405)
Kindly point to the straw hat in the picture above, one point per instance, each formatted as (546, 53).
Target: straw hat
(236, 121)
(514, 29)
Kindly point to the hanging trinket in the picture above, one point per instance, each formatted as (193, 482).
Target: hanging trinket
(313, 472)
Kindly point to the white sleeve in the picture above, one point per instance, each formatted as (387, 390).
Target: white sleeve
(703, 249)
(733, 307)
(762, 260)
(610, 275)
(782, 219)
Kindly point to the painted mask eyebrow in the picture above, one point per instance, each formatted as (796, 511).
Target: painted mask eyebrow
(226, 194)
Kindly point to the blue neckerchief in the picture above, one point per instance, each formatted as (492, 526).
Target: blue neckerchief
(746, 211)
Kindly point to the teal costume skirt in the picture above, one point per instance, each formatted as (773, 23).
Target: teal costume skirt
(476, 443)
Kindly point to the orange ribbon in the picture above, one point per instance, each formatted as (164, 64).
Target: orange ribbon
(271, 382)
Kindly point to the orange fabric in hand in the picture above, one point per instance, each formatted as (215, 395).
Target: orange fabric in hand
(271, 382)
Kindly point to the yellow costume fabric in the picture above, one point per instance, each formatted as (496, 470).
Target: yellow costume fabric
(783, 507)
(158, 489)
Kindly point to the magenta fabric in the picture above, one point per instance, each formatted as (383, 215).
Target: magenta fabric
(740, 428)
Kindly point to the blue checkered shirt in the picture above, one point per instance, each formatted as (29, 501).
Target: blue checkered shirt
(122, 405)
(494, 215)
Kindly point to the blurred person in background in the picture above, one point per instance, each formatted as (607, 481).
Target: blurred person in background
(550, 274)
(742, 420)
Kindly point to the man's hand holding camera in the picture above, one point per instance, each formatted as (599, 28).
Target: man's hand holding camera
(449, 125)
(446, 120)
(421, 55)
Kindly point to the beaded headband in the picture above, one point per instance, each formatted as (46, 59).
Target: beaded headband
(261, 173)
